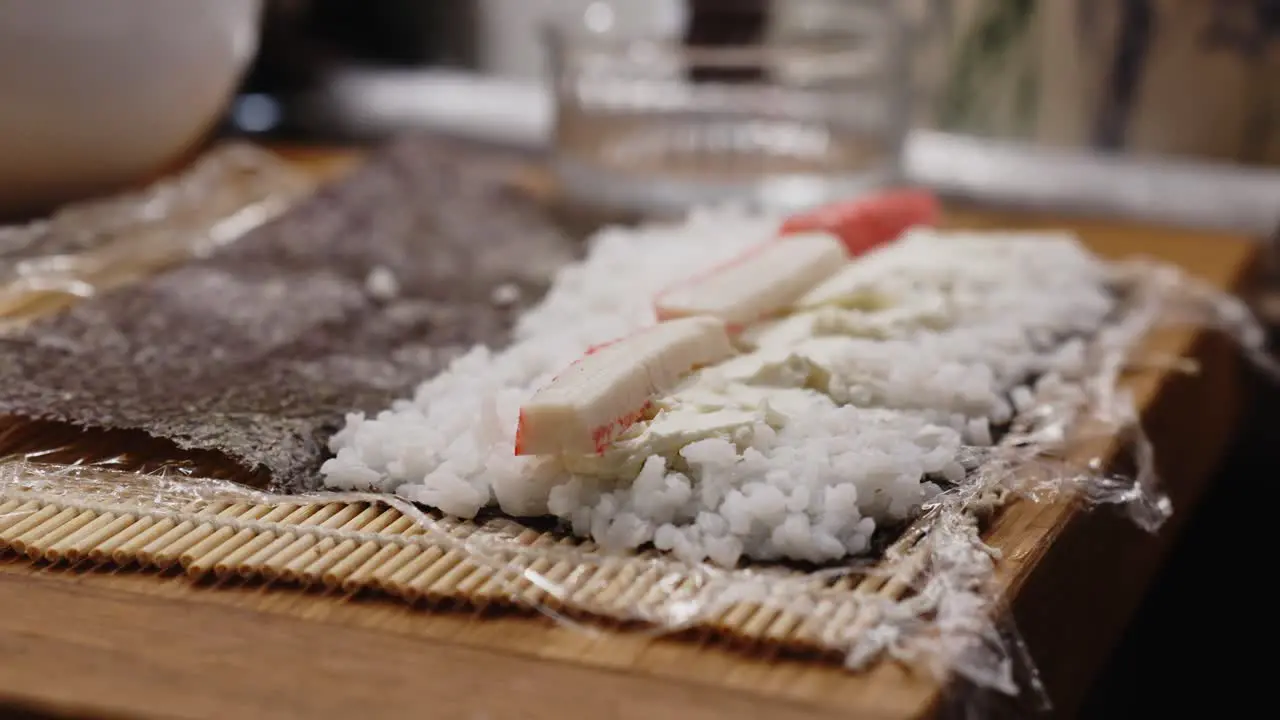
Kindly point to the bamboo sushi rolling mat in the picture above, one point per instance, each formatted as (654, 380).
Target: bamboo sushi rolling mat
(240, 610)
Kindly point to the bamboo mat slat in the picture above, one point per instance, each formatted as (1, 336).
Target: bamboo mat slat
(349, 547)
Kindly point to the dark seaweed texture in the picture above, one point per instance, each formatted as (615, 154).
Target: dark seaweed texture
(258, 351)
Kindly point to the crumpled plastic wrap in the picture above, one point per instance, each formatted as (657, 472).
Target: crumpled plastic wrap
(90, 247)
(931, 599)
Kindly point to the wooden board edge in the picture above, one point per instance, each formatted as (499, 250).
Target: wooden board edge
(178, 659)
(1048, 546)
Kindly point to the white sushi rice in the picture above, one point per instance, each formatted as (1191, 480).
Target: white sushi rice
(847, 415)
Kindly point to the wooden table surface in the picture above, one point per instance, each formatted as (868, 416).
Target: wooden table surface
(113, 643)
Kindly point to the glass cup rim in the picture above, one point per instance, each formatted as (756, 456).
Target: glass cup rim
(640, 49)
(567, 31)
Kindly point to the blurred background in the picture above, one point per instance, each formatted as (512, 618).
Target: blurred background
(1164, 111)
(1159, 110)
(1198, 78)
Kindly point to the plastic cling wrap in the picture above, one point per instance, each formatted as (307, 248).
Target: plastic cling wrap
(931, 597)
(90, 247)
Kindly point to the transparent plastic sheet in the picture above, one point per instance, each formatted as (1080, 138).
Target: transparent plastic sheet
(932, 600)
(90, 247)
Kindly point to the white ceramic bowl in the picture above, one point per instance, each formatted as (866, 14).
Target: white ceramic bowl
(94, 95)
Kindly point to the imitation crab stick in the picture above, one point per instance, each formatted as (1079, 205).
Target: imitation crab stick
(587, 406)
(809, 249)
(869, 221)
(756, 284)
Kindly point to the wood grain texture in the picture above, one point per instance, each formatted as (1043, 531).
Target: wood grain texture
(120, 644)
(210, 661)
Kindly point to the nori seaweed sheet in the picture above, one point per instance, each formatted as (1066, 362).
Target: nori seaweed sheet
(258, 351)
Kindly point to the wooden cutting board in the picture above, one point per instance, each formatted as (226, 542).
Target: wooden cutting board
(92, 642)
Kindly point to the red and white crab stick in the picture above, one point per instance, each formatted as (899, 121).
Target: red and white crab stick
(755, 284)
(810, 247)
(605, 391)
(610, 388)
(868, 222)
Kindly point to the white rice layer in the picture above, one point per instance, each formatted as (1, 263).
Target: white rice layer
(847, 414)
